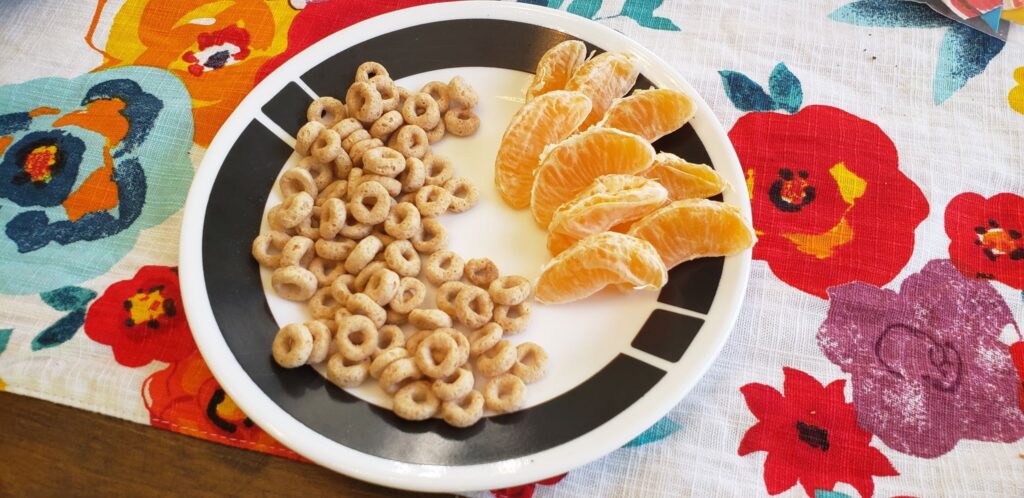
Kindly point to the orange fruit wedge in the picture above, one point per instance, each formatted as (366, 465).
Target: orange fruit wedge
(651, 114)
(685, 180)
(555, 67)
(571, 166)
(544, 120)
(695, 228)
(610, 200)
(604, 78)
(599, 260)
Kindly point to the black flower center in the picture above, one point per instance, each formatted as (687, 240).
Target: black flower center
(216, 399)
(791, 192)
(814, 436)
(996, 241)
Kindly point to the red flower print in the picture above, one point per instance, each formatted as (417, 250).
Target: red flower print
(830, 204)
(810, 434)
(218, 49)
(1017, 354)
(318, 20)
(985, 237)
(142, 319)
(526, 490)
(185, 398)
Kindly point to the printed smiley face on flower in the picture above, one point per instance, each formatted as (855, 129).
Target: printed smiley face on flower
(830, 204)
(85, 164)
(214, 48)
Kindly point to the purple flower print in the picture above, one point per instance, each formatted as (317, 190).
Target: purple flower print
(927, 364)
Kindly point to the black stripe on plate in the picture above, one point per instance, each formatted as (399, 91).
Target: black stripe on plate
(693, 285)
(361, 426)
(667, 335)
(288, 108)
(232, 220)
(440, 45)
(239, 304)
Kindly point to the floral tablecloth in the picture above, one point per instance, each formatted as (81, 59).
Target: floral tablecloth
(878, 353)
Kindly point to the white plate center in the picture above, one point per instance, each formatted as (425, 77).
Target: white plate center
(580, 337)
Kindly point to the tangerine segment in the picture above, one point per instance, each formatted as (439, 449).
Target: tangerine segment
(544, 120)
(571, 166)
(685, 180)
(555, 67)
(558, 242)
(599, 260)
(610, 200)
(695, 228)
(605, 78)
(651, 114)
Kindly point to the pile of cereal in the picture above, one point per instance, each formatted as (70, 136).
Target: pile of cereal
(359, 211)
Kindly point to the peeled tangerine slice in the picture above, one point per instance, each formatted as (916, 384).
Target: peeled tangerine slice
(609, 201)
(555, 67)
(695, 228)
(544, 120)
(651, 114)
(604, 78)
(571, 166)
(685, 180)
(601, 259)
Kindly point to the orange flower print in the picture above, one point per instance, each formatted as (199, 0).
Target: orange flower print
(185, 398)
(214, 48)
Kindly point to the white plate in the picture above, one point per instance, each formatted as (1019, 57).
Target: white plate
(615, 367)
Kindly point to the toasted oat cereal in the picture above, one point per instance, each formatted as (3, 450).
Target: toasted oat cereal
(445, 296)
(327, 111)
(432, 237)
(437, 355)
(464, 412)
(306, 135)
(429, 319)
(481, 272)
(473, 306)
(484, 338)
(504, 393)
(416, 401)
(461, 122)
(510, 290)
(322, 337)
(531, 362)
(513, 319)
(364, 102)
(454, 386)
(359, 209)
(401, 256)
(343, 372)
(410, 294)
(292, 345)
(461, 93)
(443, 266)
(497, 360)
(432, 201)
(398, 373)
(411, 141)
(421, 110)
(439, 92)
(385, 358)
(294, 283)
(266, 248)
(356, 337)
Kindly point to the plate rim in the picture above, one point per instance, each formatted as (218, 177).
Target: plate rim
(438, 478)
